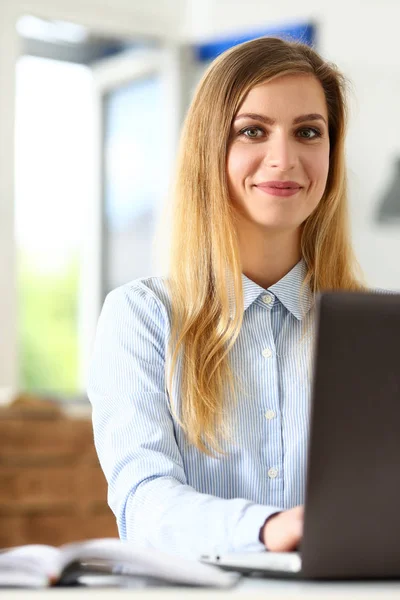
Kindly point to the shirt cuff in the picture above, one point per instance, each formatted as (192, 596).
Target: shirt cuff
(247, 531)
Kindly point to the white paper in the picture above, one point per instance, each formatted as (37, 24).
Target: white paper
(40, 565)
(150, 563)
(35, 564)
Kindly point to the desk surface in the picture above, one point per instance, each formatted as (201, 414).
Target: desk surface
(248, 588)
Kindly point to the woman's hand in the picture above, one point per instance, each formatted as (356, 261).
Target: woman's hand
(283, 532)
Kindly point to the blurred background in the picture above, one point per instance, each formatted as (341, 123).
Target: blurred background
(92, 98)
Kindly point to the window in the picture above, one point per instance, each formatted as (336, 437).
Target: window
(53, 137)
(136, 178)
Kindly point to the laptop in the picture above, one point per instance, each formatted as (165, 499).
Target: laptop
(352, 500)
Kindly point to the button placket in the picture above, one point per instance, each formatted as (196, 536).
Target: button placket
(273, 455)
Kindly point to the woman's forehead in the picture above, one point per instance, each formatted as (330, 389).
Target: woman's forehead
(289, 94)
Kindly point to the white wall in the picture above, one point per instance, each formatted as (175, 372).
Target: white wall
(373, 145)
(362, 38)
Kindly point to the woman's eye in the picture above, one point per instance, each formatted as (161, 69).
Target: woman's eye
(309, 133)
(252, 132)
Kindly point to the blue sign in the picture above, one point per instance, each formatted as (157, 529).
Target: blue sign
(304, 33)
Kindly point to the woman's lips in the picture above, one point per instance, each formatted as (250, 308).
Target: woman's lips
(279, 188)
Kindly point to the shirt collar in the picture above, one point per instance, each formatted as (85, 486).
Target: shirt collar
(288, 290)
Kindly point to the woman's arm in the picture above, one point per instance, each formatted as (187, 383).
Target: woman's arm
(135, 441)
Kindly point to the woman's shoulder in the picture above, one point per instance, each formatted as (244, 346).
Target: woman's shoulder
(147, 287)
(147, 295)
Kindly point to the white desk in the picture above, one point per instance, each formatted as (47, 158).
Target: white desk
(248, 588)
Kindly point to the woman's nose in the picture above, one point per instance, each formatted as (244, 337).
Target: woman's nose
(281, 154)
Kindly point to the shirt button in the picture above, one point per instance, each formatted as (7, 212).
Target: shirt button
(270, 414)
(267, 353)
(272, 473)
(267, 299)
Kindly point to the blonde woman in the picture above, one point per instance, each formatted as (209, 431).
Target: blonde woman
(200, 382)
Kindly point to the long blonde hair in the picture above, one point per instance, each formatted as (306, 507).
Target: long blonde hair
(204, 246)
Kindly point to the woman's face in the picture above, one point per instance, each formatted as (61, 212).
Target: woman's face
(278, 154)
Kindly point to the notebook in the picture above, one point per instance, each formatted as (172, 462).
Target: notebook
(103, 562)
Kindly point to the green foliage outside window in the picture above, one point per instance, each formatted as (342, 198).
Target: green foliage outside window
(48, 328)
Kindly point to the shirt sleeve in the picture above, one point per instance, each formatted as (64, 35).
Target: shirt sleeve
(134, 437)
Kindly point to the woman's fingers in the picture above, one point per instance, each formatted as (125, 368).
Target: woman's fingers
(283, 532)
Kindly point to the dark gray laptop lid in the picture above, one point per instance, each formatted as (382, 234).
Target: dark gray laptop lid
(352, 520)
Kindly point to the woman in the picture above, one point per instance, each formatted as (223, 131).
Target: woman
(200, 382)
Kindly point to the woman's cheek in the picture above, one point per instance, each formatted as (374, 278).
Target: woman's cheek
(317, 172)
(236, 170)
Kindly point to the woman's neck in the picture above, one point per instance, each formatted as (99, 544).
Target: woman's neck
(267, 257)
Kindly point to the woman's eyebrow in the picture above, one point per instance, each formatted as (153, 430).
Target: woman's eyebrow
(309, 117)
(269, 121)
(256, 117)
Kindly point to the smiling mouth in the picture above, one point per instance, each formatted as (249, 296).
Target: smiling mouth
(279, 185)
(282, 189)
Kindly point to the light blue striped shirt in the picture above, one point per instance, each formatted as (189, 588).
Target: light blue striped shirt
(165, 493)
